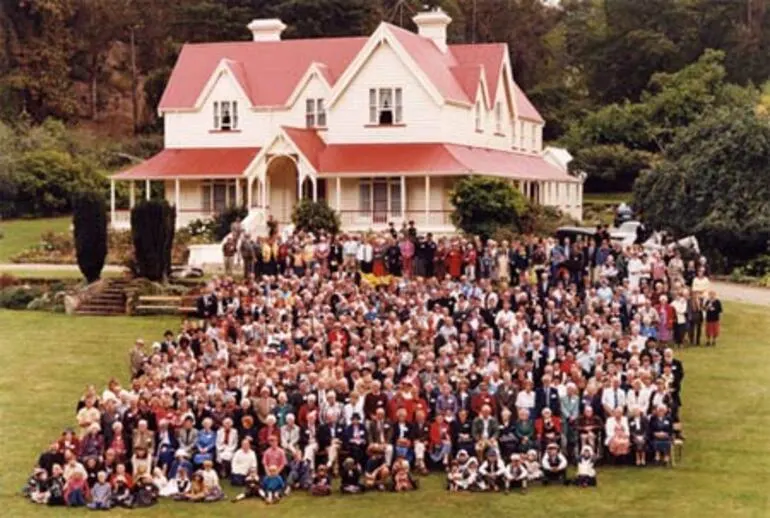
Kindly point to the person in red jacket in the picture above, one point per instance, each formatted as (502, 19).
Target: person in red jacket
(483, 397)
(454, 261)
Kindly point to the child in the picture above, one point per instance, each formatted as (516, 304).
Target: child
(586, 472)
(321, 482)
(554, 465)
(402, 481)
(121, 493)
(159, 479)
(197, 490)
(214, 491)
(300, 474)
(56, 486)
(101, 493)
(454, 476)
(76, 490)
(516, 474)
(492, 471)
(272, 485)
(178, 486)
(350, 478)
(251, 486)
(471, 480)
(37, 487)
(534, 471)
(145, 492)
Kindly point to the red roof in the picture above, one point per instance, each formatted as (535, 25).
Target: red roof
(269, 71)
(309, 144)
(192, 162)
(436, 159)
(271, 68)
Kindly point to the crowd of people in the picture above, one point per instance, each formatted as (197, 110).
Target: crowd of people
(363, 362)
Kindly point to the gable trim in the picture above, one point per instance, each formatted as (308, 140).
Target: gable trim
(222, 69)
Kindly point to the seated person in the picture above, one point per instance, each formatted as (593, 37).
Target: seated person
(586, 471)
(661, 433)
(76, 492)
(213, 490)
(273, 485)
(516, 474)
(532, 465)
(402, 479)
(101, 493)
(350, 477)
(492, 471)
(548, 428)
(554, 465)
(321, 485)
(376, 472)
(617, 439)
(206, 443)
(524, 431)
(589, 426)
(250, 486)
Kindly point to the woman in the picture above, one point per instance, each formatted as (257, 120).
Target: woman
(282, 409)
(440, 441)
(548, 429)
(525, 431)
(695, 319)
(666, 319)
(638, 428)
(507, 440)
(680, 306)
(617, 435)
(206, 444)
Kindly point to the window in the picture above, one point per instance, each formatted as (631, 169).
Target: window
(381, 197)
(478, 117)
(225, 115)
(522, 138)
(315, 113)
(216, 196)
(498, 117)
(386, 106)
(534, 138)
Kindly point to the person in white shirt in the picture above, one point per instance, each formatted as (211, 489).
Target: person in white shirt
(635, 267)
(613, 397)
(525, 399)
(493, 470)
(618, 436)
(244, 459)
(638, 397)
(586, 472)
(227, 442)
(516, 474)
(554, 465)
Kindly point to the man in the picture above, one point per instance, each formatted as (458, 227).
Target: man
(229, 247)
(493, 471)
(485, 430)
(381, 435)
(355, 439)
(247, 254)
(330, 436)
(613, 397)
(547, 396)
(227, 442)
(137, 358)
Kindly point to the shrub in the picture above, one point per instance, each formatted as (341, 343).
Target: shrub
(482, 205)
(223, 221)
(7, 279)
(315, 216)
(90, 222)
(18, 297)
(152, 230)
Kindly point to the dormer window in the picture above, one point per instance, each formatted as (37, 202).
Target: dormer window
(479, 127)
(315, 113)
(385, 106)
(498, 117)
(225, 115)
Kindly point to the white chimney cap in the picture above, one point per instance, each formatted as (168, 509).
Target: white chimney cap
(267, 29)
(432, 25)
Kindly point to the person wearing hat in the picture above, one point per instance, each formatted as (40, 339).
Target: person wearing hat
(554, 465)
(516, 474)
(492, 470)
(586, 471)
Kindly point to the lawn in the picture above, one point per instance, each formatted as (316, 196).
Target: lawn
(20, 234)
(47, 359)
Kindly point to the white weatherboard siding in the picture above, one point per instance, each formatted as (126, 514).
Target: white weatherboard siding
(350, 115)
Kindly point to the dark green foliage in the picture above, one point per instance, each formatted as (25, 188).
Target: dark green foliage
(90, 229)
(484, 205)
(152, 230)
(714, 180)
(224, 220)
(18, 297)
(315, 216)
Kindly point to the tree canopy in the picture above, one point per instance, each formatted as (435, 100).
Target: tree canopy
(484, 205)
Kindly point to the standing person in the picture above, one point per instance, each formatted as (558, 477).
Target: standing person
(247, 254)
(713, 309)
(228, 251)
(680, 317)
(695, 318)
(365, 255)
(407, 255)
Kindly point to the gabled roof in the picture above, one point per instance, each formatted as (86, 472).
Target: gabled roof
(308, 142)
(272, 69)
(192, 163)
(269, 72)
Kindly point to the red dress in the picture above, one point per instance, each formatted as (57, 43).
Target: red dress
(454, 263)
(378, 255)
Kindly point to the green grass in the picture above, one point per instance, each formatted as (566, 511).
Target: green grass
(52, 274)
(606, 198)
(20, 234)
(47, 359)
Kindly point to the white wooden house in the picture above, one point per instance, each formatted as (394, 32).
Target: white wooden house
(380, 127)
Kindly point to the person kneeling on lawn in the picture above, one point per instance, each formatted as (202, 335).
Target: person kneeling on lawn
(251, 486)
(554, 465)
(516, 474)
(492, 470)
(350, 477)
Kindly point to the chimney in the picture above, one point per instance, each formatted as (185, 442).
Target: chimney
(269, 29)
(432, 24)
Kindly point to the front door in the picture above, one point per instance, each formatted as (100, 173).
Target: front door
(380, 201)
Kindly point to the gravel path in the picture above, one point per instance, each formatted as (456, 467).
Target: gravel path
(725, 290)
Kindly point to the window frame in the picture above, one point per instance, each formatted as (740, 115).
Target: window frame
(222, 108)
(315, 112)
(377, 98)
(479, 126)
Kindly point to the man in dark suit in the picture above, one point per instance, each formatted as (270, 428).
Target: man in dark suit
(354, 440)
(329, 437)
(380, 434)
(207, 304)
(547, 396)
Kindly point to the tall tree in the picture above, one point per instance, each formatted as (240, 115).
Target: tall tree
(90, 230)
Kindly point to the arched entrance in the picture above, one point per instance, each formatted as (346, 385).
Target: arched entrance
(281, 178)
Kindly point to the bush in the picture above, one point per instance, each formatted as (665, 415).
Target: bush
(152, 230)
(483, 205)
(18, 297)
(315, 216)
(90, 222)
(222, 222)
(7, 279)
